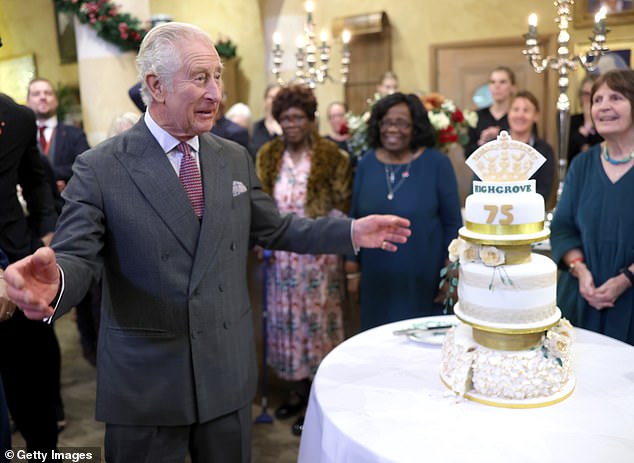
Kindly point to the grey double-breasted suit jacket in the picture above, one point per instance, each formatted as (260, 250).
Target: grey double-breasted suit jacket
(176, 341)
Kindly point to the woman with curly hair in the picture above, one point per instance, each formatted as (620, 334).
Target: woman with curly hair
(308, 176)
(402, 174)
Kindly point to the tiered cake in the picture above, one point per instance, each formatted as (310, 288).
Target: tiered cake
(512, 349)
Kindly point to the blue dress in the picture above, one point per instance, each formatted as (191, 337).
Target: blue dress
(401, 285)
(596, 216)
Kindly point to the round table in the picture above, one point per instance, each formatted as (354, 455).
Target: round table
(378, 397)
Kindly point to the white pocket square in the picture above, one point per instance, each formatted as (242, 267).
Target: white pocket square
(238, 188)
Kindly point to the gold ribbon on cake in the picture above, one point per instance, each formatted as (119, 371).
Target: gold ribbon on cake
(516, 254)
(501, 341)
(519, 229)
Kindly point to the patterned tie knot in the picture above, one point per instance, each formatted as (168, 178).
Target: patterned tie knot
(190, 178)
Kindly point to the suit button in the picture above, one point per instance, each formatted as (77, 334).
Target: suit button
(165, 256)
(232, 246)
(226, 325)
(221, 288)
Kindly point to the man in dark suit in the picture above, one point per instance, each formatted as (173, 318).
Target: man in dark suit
(59, 142)
(169, 212)
(29, 363)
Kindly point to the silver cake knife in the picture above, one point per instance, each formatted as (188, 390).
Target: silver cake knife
(419, 329)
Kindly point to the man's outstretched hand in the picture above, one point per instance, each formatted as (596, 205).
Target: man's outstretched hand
(33, 282)
(380, 231)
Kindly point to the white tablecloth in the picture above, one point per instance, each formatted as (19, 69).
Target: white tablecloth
(378, 398)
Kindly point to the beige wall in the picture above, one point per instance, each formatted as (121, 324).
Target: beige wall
(416, 24)
(238, 20)
(28, 27)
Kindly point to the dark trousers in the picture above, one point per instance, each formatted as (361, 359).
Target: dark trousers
(5, 432)
(224, 439)
(30, 368)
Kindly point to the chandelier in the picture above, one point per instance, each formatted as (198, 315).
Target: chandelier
(311, 58)
(564, 62)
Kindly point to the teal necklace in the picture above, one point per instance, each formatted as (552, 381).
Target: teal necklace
(616, 162)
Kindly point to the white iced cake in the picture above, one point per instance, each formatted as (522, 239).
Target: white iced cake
(537, 376)
(506, 212)
(511, 296)
(511, 349)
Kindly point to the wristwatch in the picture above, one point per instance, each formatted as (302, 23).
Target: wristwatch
(628, 273)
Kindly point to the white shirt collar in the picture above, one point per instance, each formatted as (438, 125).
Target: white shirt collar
(167, 141)
(50, 123)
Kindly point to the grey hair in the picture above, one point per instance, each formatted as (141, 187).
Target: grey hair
(240, 110)
(159, 53)
(122, 122)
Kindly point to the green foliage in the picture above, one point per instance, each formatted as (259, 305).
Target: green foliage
(226, 48)
(121, 29)
(449, 278)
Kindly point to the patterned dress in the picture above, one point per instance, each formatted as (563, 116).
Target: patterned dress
(305, 292)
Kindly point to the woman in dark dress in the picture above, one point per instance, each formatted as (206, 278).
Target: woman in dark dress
(402, 174)
(493, 119)
(592, 233)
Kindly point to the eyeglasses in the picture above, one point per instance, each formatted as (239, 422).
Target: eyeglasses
(400, 124)
(293, 119)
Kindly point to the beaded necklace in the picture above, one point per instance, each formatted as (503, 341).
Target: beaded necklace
(616, 162)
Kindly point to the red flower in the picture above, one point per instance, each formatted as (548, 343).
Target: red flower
(343, 129)
(447, 135)
(457, 116)
(123, 30)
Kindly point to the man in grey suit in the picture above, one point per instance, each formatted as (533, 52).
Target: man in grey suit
(176, 359)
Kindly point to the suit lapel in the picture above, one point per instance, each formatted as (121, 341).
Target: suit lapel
(152, 173)
(217, 184)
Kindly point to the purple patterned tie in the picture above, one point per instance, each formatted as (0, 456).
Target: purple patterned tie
(190, 178)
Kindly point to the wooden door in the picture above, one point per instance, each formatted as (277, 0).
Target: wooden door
(371, 56)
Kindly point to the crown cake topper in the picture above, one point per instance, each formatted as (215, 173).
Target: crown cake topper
(505, 160)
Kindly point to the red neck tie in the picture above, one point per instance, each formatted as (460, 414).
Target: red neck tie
(43, 142)
(190, 178)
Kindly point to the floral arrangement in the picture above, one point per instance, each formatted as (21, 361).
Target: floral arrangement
(121, 29)
(461, 250)
(557, 341)
(464, 251)
(357, 127)
(451, 123)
